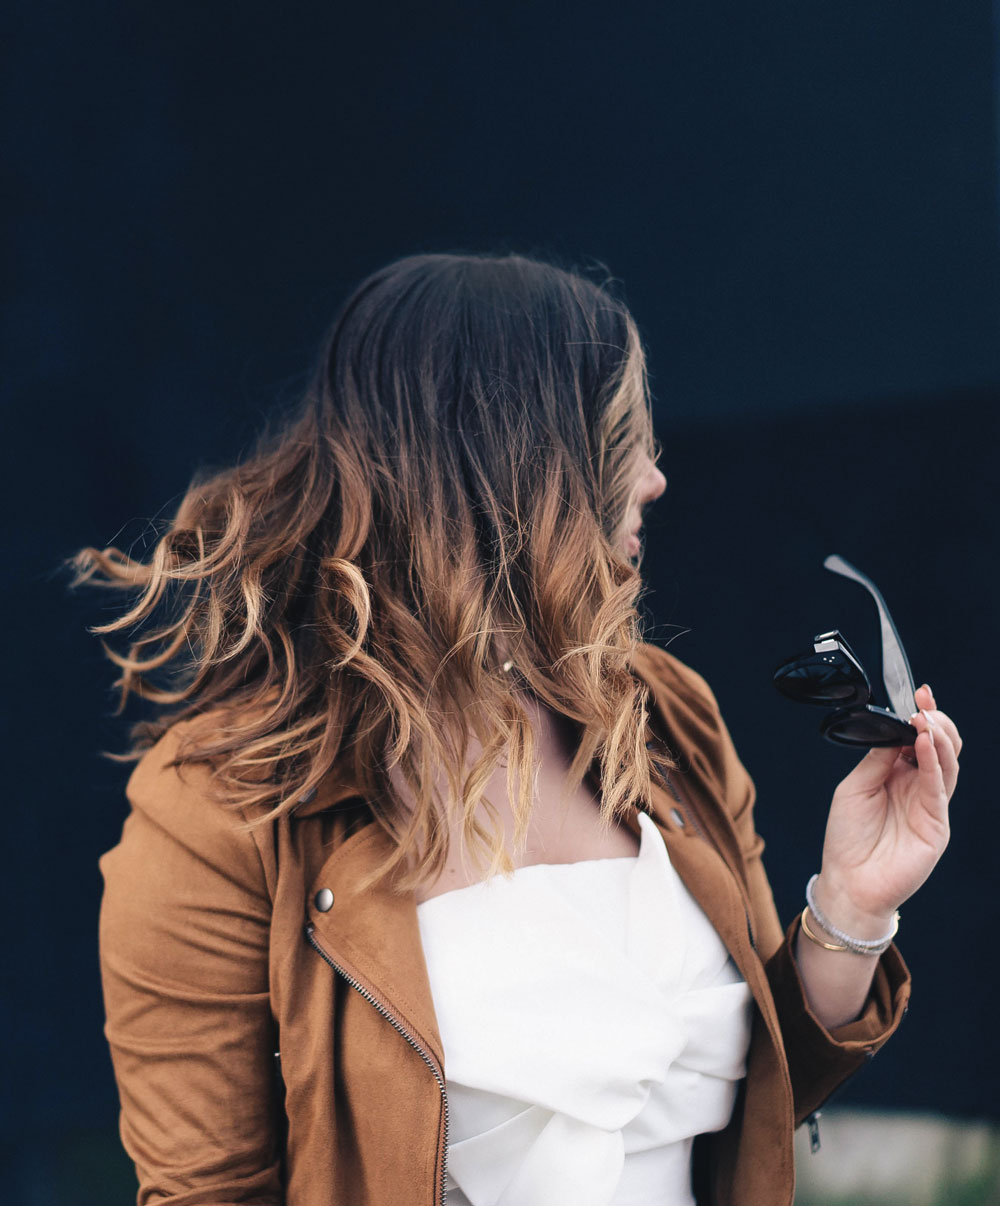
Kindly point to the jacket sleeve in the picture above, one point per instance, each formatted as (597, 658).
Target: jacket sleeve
(819, 1060)
(183, 932)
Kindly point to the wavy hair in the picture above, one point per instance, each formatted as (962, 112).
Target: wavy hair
(438, 516)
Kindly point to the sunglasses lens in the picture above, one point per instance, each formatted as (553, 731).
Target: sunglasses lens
(822, 678)
(868, 726)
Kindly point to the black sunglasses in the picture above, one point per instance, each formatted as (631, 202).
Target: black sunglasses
(830, 674)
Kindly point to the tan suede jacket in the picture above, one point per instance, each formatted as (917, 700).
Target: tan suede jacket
(220, 949)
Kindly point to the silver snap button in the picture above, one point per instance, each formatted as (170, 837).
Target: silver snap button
(324, 900)
(677, 817)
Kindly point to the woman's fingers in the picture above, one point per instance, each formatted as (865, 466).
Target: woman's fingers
(936, 756)
(925, 700)
(948, 726)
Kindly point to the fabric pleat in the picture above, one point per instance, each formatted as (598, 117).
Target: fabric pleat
(592, 1022)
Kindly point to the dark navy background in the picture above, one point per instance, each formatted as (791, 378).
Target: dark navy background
(801, 201)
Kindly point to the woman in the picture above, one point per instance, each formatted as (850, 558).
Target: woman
(438, 881)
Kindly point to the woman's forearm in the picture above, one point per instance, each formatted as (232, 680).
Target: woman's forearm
(837, 983)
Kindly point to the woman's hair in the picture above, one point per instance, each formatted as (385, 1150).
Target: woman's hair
(448, 495)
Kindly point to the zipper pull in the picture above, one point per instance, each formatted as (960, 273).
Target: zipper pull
(813, 1123)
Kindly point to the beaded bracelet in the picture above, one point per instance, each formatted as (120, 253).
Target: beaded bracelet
(860, 946)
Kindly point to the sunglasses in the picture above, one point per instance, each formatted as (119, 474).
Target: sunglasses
(830, 674)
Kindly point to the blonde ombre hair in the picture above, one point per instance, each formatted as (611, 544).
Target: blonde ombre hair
(448, 496)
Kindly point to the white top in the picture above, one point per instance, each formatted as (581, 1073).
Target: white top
(593, 1023)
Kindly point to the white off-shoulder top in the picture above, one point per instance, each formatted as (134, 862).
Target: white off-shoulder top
(592, 1022)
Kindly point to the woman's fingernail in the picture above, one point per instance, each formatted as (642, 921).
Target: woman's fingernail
(928, 716)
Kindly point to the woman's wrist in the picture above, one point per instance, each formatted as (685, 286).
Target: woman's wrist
(837, 906)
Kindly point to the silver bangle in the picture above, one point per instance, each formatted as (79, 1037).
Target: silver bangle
(860, 946)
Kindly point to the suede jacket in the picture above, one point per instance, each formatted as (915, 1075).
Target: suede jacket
(272, 1029)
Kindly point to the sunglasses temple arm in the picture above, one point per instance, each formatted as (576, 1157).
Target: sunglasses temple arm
(896, 671)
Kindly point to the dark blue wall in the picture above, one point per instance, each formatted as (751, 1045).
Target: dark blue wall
(801, 202)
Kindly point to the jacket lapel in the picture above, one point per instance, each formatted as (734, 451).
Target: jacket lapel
(709, 862)
(373, 937)
(707, 877)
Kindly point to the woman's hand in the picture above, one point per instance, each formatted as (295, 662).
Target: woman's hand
(888, 825)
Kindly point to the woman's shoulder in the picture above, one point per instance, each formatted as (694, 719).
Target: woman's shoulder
(184, 802)
(676, 686)
(158, 780)
(696, 726)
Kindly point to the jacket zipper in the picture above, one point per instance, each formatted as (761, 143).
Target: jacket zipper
(687, 809)
(398, 1026)
(812, 1120)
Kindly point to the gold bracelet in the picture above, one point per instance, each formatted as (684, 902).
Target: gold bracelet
(827, 946)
